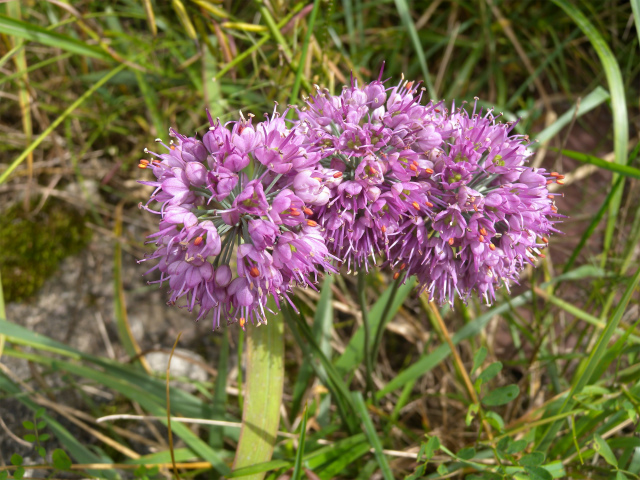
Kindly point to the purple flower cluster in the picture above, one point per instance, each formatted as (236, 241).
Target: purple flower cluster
(234, 218)
(365, 177)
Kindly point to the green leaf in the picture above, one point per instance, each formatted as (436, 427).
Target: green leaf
(538, 473)
(44, 437)
(490, 372)
(41, 425)
(35, 33)
(603, 448)
(38, 414)
(467, 453)
(18, 473)
(600, 163)
(30, 437)
(4, 474)
(494, 420)
(432, 445)
(42, 451)
(621, 476)
(16, 459)
(533, 459)
(501, 395)
(478, 359)
(297, 467)
(516, 447)
(372, 436)
(471, 413)
(28, 425)
(60, 459)
(263, 392)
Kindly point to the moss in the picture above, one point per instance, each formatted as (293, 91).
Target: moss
(31, 247)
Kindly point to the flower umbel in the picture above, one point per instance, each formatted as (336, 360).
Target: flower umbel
(228, 202)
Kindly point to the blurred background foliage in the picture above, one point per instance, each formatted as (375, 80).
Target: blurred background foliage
(550, 388)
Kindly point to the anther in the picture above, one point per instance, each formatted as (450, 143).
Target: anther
(545, 239)
(492, 246)
(308, 211)
(383, 229)
(428, 204)
(481, 238)
(254, 272)
(396, 275)
(416, 205)
(428, 171)
(197, 241)
(560, 181)
(242, 322)
(413, 168)
(483, 231)
(337, 175)
(312, 223)
(450, 241)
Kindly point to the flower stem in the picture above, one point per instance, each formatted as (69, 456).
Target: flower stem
(263, 393)
(367, 334)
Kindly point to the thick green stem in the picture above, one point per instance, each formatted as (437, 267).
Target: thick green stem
(367, 331)
(263, 394)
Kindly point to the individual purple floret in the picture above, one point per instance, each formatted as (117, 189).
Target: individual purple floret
(234, 218)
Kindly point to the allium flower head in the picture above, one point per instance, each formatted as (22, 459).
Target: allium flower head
(233, 230)
(489, 213)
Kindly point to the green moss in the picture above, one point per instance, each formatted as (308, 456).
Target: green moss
(31, 248)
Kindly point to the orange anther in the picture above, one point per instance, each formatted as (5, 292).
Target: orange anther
(172, 147)
(242, 322)
(428, 204)
(308, 211)
(475, 207)
(142, 165)
(549, 182)
(294, 212)
(337, 175)
(383, 229)
(312, 223)
(554, 174)
(197, 241)
(396, 275)
(492, 246)
(542, 255)
(481, 238)
(402, 266)
(560, 182)
(415, 205)
(428, 171)
(254, 272)
(450, 241)
(550, 197)
(483, 231)
(545, 239)
(413, 168)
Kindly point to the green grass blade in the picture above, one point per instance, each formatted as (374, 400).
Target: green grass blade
(59, 120)
(597, 97)
(635, 7)
(585, 375)
(297, 467)
(322, 324)
(592, 226)
(35, 33)
(304, 52)
(405, 16)
(264, 384)
(332, 380)
(430, 360)
(354, 353)
(372, 435)
(600, 163)
(151, 102)
(618, 106)
(344, 461)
